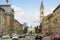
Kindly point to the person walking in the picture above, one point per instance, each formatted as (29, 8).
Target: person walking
(38, 37)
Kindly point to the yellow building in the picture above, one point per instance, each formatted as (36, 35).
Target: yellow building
(50, 23)
(9, 16)
(47, 23)
(2, 11)
(31, 30)
(18, 27)
(56, 14)
(7, 24)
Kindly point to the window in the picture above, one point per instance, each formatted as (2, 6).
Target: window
(42, 12)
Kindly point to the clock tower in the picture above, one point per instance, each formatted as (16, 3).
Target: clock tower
(41, 11)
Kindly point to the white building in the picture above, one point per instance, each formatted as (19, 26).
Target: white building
(31, 30)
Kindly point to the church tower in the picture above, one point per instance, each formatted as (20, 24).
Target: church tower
(41, 11)
(6, 2)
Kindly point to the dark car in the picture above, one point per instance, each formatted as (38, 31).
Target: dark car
(15, 39)
(38, 37)
(57, 37)
(22, 36)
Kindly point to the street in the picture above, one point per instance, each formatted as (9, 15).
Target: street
(29, 20)
(30, 38)
(26, 38)
(47, 38)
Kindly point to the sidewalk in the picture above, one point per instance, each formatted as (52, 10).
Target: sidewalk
(47, 38)
(0, 38)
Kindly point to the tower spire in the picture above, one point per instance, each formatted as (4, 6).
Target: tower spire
(7, 2)
(42, 6)
(41, 11)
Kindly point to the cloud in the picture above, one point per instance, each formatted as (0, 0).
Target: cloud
(37, 14)
(29, 16)
(18, 12)
(37, 17)
(48, 11)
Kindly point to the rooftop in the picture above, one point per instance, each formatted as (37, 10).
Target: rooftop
(57, 8)
(2, 9)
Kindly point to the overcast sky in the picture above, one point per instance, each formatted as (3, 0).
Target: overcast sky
(29, 10)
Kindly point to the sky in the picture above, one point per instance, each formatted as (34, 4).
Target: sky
(29, 10)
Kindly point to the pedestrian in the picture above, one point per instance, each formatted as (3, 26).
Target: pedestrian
(38, 37)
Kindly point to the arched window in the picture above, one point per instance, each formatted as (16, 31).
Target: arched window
(42, 12)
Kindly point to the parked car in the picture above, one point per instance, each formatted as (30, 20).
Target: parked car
(38, 37)
(5, 37)
(22, 36)
(57, 37)
(15, 37)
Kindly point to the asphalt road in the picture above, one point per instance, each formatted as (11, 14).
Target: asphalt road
(47, 38)
(26, 38)
(30, 38)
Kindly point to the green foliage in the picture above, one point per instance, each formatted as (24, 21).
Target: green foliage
(37, 30)
(25, 29)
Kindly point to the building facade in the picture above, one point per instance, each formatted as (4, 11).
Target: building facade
(44, 23)
(8, 24)
(31, 30)
(18, 27)
(41, 15)
(47, 23)
(2, 11)
(9, 16)
(56, 14)
(50, 23)
(41, 11)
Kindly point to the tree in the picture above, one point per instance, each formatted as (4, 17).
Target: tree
(25, 29)
(37, 30)
(40, 27)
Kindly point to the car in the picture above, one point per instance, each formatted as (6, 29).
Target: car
(5, 37)
(22, 36)
(57, 37)
(15, 37)
(38, 37)
(19, 36)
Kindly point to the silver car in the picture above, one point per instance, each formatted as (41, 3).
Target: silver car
(15, 37)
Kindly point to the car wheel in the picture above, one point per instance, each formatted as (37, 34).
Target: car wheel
(15, 39)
